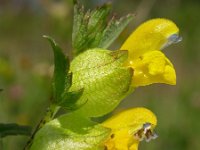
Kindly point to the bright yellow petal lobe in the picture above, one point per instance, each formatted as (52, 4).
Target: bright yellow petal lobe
(124, 127)
(144, 44)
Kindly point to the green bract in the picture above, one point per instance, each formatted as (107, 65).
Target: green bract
(104, 79)
(62, 80)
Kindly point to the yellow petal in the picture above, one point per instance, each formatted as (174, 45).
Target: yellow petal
(125, 126)
(151, 35)
(153, 67)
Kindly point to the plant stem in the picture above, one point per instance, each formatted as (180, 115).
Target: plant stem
(49, 115)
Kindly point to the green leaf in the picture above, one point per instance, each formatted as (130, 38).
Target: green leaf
(71, 132)
(79, 36)
(105, 81)
(61, 68)
(91, 30)
(112, 31)
(14, 129)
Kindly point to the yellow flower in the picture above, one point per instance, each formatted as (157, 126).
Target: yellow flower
(144, 44)
(130, 127)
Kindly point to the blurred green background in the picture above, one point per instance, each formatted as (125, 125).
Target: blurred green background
(26, 65)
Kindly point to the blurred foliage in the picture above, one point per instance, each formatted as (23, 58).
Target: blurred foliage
(26, 65)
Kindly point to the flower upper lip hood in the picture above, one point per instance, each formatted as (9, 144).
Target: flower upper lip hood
(144, 44)
(151, 35)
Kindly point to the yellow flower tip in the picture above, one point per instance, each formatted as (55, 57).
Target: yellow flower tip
(129, 127)
(153, 34)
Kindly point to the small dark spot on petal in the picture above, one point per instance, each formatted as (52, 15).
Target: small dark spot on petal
(140, 57)
(112, 136)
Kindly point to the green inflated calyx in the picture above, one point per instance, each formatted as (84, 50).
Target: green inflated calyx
(71, 132)
(104, 79)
